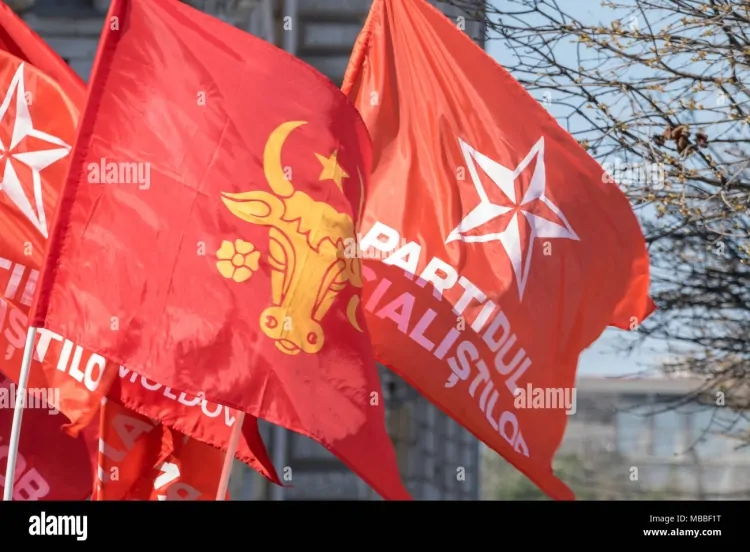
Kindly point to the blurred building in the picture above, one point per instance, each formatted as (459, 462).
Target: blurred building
(438, 459)
(676, 437)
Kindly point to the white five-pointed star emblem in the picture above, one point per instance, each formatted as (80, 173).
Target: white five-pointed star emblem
(37, 161)
(529, 208)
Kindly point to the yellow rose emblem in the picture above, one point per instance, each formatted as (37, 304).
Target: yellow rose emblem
(237, 261)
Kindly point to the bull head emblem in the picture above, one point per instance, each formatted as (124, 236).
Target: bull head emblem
(306, 254)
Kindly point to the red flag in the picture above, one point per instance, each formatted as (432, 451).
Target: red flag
(19, 40)
(479, 193)
(140, 459)
(39, 114)
(194, 416)
(51, 465)
(37, 127)
(210, 218)
(191, 472)
(81, 376)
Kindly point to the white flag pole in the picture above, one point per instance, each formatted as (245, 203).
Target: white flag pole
(234, 441)
(15, 432)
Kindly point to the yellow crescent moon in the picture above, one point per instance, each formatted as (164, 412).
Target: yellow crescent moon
(351, 312)
(272, 166)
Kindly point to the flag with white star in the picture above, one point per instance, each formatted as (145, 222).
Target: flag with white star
(37, 125)
(501, 252)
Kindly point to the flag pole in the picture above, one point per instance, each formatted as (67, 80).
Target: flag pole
(15, 432)
(98, 493)
(226, 470)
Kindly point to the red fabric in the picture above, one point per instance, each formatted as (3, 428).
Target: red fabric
(226, 268)
(37, 129)
(205, 421)
(140, 459)
(502, 254)
(28, 199)
(41, 87)
(51, 465)
(83, 377)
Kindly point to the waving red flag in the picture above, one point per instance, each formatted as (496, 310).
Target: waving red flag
(51, 465)
(206, 422)
(141, 459)
(494, 251)
(209, 218)
(38, 117)
(38, 121)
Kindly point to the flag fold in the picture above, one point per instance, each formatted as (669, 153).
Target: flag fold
(494, 251)
(202, 235)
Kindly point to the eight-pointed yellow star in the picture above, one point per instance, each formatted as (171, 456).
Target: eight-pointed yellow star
(331, 169)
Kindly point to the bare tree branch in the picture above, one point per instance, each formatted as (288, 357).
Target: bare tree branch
(659, 93)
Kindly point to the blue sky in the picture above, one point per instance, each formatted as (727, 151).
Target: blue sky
(601, 359)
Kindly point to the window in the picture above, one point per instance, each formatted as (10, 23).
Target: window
(705, 435)
(634, 431)
(669, 432)
(717, 480)
(68, 7)
(742, 480)
(101, 5)
(687, 479)
(654, 476)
